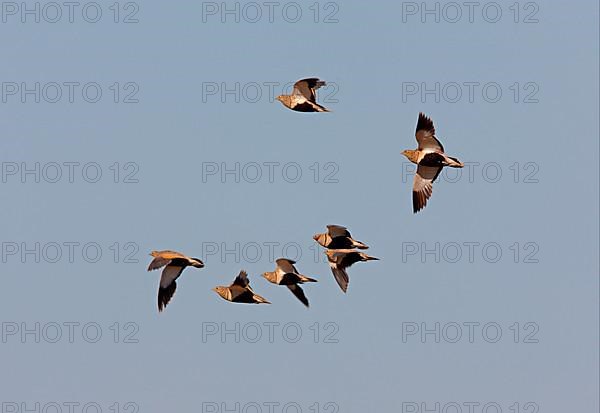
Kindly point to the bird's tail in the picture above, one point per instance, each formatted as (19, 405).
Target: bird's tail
(305, 279)
(369, 258)
(359, 245)
(321, 108)
(455, 163)
(261, 300)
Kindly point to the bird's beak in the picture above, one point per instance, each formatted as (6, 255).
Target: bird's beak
(214, 289)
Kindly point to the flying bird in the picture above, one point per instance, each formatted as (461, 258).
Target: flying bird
(286, 274)
(239, 291)
(303, 97)
(339, 260)
(338, 237)
(430, 159)
(174, 263)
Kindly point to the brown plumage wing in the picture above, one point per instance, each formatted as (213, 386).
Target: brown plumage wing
(286, 266)
(241, 280)
(422, 185)
(165, 257)
(158, 262)
(338, 231)
(425, 134)
(172, 255)
(307, 87)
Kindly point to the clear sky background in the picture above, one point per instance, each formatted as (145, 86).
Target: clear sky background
(172, 133)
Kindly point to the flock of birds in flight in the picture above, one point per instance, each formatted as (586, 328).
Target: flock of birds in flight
(341, 249)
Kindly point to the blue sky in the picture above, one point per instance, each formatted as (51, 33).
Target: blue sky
(543, 219)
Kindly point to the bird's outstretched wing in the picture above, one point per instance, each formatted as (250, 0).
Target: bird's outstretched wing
(286, 266)
(425, 134)
(162, 258)
(422, 185)
(340, 275)
(168, 285)
(299, 293)
(241, 279)
(338, 231)
(307, 87)
(158, 262)
(165, 295)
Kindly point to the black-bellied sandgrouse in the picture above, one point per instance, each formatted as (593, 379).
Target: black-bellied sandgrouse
(286, 274)
(338, 237)
(339, 260)
(430, 159)
(303, 97)
(239, 291)
(174, 263)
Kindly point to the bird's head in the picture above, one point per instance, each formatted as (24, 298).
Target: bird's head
(222, 291)
(269, 276)
(197, 262)
(285, 100)
(411, 155)
(320, 238)
(155, 253)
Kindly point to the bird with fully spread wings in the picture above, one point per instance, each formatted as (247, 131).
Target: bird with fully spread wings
(174, 263)
(341, 259)
(304, 96)
(430, 159)
(239, 291)
(286, 274)
(338, 237)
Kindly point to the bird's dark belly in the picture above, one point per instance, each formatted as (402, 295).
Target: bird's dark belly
(340, 243)
(432, 159)
(246, 297)
(289, 279)
(304, 107)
